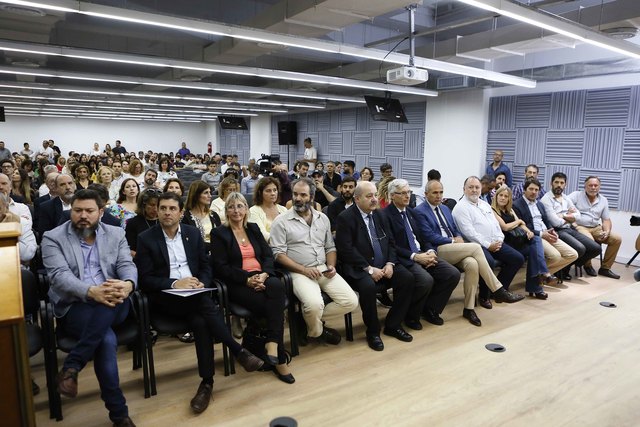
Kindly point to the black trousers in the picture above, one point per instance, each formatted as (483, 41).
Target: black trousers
(205, 320)
(586, 247)
(444, 279)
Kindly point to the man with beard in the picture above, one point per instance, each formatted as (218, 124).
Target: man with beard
(475, 220)
(51, 211)
(562, 215)
(150, 178)
(343, 202)
(302, 243)
(91, 275)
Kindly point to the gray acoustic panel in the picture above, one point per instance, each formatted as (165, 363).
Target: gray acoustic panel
(361, 161)
(348, 120)
(347, 144)
(377, 143)
(607, 108)
(502, 113)
(336, 117)
(572, 173)
(564, 146)
(312, 122)
(631, 150)
(302, 122)
(501, 140)
(235, 142)
(603, 148)
(415, 116)
(634, 108)
(629, 195)
(567, 109)
(335, 143)
(530, 146)
(412, 171)
(363, 119)
(609, 183)
(394, 144)
(375, 163)
(361, 142)
(414, 144)
(533, 111)
(324, 121)
(321, 142)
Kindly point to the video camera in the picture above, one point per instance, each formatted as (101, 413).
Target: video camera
(266, 163)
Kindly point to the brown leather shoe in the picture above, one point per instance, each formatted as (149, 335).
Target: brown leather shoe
(123, 422)
(201, 400)
(248, 361)
(68, 382)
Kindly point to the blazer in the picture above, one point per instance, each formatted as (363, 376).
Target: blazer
(64, 262)
(334, 209)
(430, 227)
(49, 215)
(522, 210)
(403, 249)
(152, 258)
(227, 261)
(213, 217)
(36, 206)
(355, 251)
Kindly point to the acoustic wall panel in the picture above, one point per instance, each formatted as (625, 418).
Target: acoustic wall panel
(363, 119)
(502, 140)
(361, 142)
(235, 142)
(415, 115)
(631, 149)
(629, 199)
(377, 143)
(603, 148)
(374, 164)
(321, 142)
(607, 108)
(335, 143)
(347, 143)
(533, 111)
(394, 144)
(564, 146)
(346, 119)
(567, 110)
(530, 146)
(634, 108)
(412, 171)
(324, 121)
(609, 183)
(414, 144)
(502, 113)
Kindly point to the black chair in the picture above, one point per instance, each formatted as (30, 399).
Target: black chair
(31, 305)
(128, 333)
(235, 309)
(166, 325)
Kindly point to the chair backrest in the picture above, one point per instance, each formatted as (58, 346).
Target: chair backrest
(30, 296)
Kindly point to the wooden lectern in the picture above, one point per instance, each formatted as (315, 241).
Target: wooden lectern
(16, 400)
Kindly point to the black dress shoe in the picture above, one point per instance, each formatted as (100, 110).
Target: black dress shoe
(68, 382)
(384, 299)
(399, 333)
(272, 360)
(539, 295)
(201, 400)
(608, 273)
(413, 324)
(123, 422)
(375, 342)
(433, 317)
(471, 316)
(284, 378)
(485, 303)
(550, 280)
(503, 295)
(590, 271)
(330, 336)
(248, 361)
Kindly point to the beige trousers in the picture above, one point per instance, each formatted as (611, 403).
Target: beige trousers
(613, 243)
(558, 255)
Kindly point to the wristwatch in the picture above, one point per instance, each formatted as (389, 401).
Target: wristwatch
(370, 270)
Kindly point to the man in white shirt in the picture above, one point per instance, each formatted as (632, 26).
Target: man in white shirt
(562, 215)
(310, 153)
(595, 222)
(44, 151)
(475, 220)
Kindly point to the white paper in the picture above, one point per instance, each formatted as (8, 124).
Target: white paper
(186, 292)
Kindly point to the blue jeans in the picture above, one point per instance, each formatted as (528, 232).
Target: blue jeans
(536, 264)
(90, 323)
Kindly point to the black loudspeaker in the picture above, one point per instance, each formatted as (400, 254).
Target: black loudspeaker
(1, 114)
(288, 133)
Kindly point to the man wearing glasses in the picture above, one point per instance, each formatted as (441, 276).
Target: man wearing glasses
(367, 253)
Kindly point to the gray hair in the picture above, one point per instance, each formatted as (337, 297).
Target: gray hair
(396, 184)
(49, 169)
(309, 182)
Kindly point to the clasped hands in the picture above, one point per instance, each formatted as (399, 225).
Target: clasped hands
(384, 272)
(110, 293)
(256, 282)
(426, 259)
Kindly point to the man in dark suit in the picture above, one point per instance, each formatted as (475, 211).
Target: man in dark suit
(106, 217)
(419, 256)
(367, 256)
(51, 211)
(50, 181)
(345, 200)
(437, 227)
(529, 209)
(171, 255)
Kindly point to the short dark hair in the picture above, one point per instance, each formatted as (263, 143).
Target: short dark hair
(531, 165)
(101, 190)
(349, 163)
(434, 175)
(170, 180)
(350, 179)
(488, 178)
(385, 167)
(88, 194)
(152, 171)
(501, 173)
(560, 175)
(169, 195)
(528, 182)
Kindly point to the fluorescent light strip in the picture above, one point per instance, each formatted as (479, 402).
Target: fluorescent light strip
(556, 25)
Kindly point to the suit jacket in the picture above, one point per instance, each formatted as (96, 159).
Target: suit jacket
(334, 209)
(227, 262)
(353, 244)
(50, 215)
(403, 249)
(152, 258)
(430, 227)
(523, 212)
(62, 257)
(36, 206)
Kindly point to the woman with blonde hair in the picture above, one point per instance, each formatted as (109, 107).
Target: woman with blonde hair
(105, 176)
(226, 187)
(383, 191)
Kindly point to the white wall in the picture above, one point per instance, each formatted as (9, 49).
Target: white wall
(260, 135)
(212, 134)
(80, 134)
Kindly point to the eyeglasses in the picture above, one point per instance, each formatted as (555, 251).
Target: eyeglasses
(238, 207)
(404, 193)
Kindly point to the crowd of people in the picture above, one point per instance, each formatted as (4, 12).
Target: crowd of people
(111, 221)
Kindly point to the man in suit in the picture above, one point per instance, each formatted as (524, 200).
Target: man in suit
(437, 227)
(528, 208)
(106, 218)
(51, 211)
(419, 256)
(343, 202)
(475, 220)
(91, 275)
(171, 255)
(50, 183)
(368, 259)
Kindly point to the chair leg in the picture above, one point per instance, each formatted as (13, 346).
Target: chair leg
(293, 331)
(348, 326)
(633, 258)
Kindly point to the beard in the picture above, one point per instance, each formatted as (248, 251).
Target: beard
(347, 196)
(66, 197)
(473, 198)
(85, 231)
(557, 191)
(302, 207)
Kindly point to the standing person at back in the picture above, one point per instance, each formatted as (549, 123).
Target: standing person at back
(310, 154)
(498, 166)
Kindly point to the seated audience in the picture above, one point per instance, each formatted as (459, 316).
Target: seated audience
(227, 186)
(383, 191)
(530, 172)
(146, 217)
(366, 174)
(174, 185)
(212, 177)
(332, 177)
(197, 212)
(343, 202)
(265, 207)
(104, 176)
(50, 212)
(324, 194)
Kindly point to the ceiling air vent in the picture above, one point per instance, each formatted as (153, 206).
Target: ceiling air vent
(621, 33)
(453, 82)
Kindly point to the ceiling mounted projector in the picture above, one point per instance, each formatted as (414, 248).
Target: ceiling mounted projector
(407, 76)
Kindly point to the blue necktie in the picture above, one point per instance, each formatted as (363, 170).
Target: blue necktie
(378, 259)
(410, 236)
(443, 223)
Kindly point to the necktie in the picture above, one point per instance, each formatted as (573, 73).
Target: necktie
(410, 236)
(443, 223)
(378, 260)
